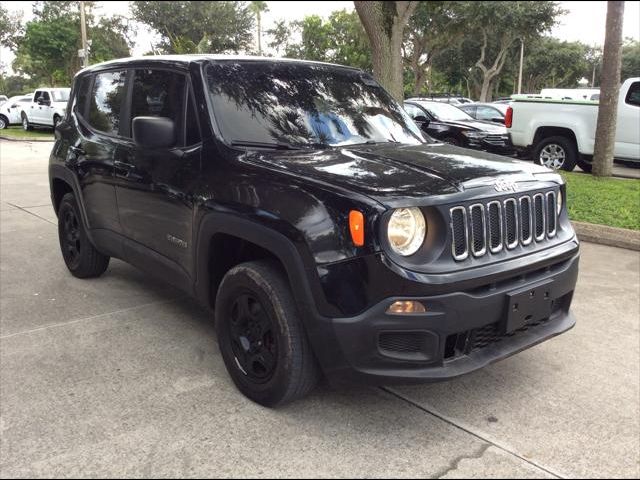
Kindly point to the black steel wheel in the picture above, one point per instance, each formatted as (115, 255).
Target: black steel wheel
(261, 337)
(80, 256)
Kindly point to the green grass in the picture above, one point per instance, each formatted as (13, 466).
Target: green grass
(18, 133)
(608, 201)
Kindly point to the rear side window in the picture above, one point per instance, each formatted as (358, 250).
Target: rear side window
(633, 95)
(107, 96)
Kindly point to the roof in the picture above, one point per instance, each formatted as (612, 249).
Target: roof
(185, 60)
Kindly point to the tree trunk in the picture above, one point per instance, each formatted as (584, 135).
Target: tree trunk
(485, 89)
(609, 91)
(384, 23)
(259, 35)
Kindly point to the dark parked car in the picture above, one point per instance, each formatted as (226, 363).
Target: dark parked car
(488, 112)
(301, 205)
(451, 125)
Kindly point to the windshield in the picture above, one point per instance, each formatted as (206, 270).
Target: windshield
(298, 104)
(444, 111)
(61, 95)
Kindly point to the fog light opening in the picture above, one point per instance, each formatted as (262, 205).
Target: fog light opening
(403, 307)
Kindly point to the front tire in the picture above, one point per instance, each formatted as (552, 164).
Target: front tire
(80, 256)
(261, 337)
(557, 153)
(4, 122)
(453, 141)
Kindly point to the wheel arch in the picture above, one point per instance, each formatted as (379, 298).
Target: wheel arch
(546, 132)
(225, 240)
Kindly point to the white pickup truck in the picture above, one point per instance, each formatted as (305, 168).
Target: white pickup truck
(46, 109)
(561, 133)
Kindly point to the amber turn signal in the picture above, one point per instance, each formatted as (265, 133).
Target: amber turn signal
(406, 306)
(356, 227)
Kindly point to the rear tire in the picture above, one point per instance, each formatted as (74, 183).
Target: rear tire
(557, 153)
(80, 256)
(261, 336)
(56, 120)
(585, 165)
(26, 125)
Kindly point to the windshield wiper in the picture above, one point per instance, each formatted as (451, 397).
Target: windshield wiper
(273, 146)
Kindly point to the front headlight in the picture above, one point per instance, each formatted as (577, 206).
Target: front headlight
(473, 134)
(559, 202)
(406, 230)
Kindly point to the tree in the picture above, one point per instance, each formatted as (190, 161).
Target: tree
(9, 28)
(339, 39)
(225, 26)
(630, 59)
(385, 23)
(551, 63)
(497, 26)
(47, 50)
(609, 91)
(433, 28)
(257, 8)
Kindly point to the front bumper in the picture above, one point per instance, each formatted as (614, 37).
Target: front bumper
(461, 332)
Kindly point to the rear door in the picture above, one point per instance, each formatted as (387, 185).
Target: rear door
(154, 187)
(97, 107)
(32, 109)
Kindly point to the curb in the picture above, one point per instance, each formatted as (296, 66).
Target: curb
(614, 237)
(9, 139)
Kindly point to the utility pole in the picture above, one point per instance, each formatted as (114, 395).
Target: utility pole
(83, 32)
(521, 61)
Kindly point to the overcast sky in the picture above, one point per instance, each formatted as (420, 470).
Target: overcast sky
(584, 21)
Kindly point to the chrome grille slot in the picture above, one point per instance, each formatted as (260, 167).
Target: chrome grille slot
(494, 213)
(539, 216)
(478, 230)
(511, 223)
(551, 214)
(495, 225)
(459, 233)
(525, 221)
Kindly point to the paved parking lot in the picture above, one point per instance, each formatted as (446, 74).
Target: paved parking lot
(121, 376)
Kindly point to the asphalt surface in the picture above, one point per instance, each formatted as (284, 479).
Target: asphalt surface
(121, 376)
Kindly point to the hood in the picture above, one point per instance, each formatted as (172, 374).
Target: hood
(392, 173)
(481, 125)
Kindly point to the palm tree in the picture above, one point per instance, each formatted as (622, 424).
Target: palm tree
(257, 8)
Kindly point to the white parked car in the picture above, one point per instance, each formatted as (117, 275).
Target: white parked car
(561, 133)
(11, 109)
(47, 107)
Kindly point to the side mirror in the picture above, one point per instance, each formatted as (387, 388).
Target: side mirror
(421, 119)
(40, 100)
(154, 132)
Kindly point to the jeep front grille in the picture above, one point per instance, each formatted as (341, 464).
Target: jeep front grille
(482, 228)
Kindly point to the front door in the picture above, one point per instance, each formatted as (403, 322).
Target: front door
(154, 187)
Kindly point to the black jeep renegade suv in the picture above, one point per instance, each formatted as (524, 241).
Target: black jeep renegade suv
(303, 206)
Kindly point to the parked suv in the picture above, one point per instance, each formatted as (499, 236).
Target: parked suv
(11, 109)
(299, 203)
(47, 107)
